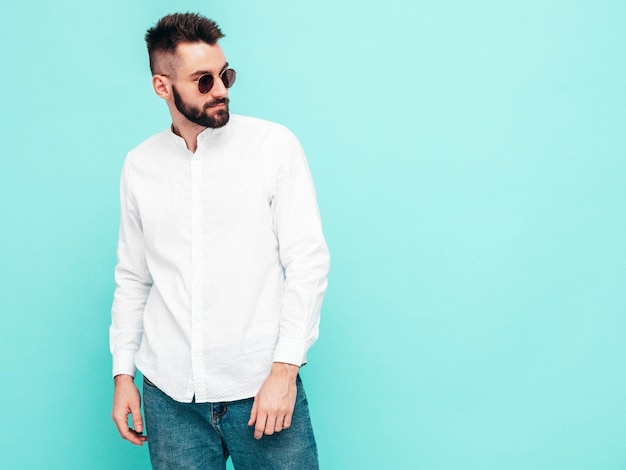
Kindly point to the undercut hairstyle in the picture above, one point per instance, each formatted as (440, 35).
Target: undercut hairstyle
(163, 38)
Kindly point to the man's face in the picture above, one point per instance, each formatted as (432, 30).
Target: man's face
(194, 60)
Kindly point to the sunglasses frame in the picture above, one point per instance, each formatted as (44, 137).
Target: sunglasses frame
(220, 76)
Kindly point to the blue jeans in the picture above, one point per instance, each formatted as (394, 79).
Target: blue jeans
(186, 436)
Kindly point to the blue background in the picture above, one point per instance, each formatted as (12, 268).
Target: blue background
(469, 158)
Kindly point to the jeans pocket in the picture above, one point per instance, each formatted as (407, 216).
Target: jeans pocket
(148, 383)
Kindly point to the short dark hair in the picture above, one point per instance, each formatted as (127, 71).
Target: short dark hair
(171, 30)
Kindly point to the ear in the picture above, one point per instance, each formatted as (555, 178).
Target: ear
(161, 86)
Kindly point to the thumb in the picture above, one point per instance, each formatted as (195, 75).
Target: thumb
(137, 419)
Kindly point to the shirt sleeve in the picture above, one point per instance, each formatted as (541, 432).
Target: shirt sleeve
(133, 284)
(303, 254)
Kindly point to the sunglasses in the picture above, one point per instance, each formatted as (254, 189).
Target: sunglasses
(205, 82)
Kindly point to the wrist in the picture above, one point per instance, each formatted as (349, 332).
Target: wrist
(123, 378)
(285, 370)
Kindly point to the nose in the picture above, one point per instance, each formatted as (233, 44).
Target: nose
(218, 90)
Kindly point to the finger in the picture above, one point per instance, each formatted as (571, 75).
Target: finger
(137, 438)
(270, 425)
(252, 419)
(121, 423)
(287, 421)
(278, 425)
(260, 425)
(133, 436)
(137, 419)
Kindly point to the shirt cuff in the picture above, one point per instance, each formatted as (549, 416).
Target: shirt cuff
(124, 363)
(290, 351)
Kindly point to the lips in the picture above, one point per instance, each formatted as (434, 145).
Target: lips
(216, 104)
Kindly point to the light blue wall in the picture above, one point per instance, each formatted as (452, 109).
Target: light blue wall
(469, 158)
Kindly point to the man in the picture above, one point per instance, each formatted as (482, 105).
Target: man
(222, 268)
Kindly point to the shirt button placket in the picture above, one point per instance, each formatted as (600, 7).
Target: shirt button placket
(197, 347)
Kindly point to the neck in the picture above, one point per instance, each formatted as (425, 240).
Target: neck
(189, 132)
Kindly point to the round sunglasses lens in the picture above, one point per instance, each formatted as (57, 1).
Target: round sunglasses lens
(228, 77)
(205, 83)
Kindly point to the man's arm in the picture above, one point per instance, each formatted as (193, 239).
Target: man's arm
(133, 284)
(305, 259)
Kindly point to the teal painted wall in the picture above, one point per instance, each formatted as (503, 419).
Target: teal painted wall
(469, 159)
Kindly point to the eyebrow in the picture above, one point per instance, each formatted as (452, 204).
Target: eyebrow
(198, 73)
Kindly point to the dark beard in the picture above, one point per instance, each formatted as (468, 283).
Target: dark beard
(198, 116)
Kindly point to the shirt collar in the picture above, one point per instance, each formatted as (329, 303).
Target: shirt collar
(208, 135)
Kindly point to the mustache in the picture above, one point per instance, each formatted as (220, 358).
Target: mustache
(215, 102)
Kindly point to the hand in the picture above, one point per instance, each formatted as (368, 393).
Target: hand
(273, 405)
(126, 399)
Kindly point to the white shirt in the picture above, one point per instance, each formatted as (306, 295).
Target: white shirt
(222, 264)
